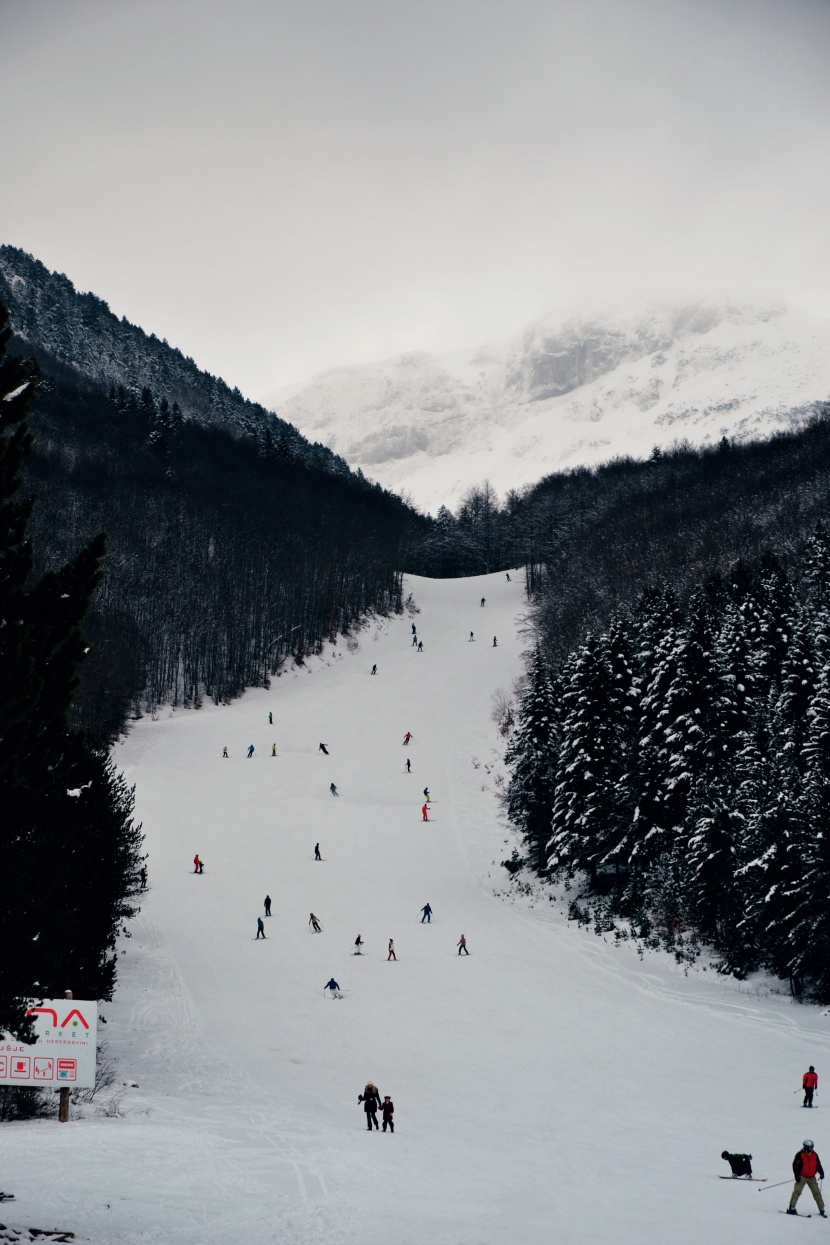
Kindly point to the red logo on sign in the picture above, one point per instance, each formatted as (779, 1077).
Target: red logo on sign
(20, 1067)
(50, 1011)
(67, 1069)
(44, 1068)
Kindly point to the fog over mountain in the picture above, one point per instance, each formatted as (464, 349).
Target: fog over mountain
(567, 392)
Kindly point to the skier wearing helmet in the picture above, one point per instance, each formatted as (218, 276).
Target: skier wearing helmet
(806, 1166)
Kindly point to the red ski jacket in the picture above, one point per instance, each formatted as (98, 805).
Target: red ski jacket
(806, 1163)
(809, 1080)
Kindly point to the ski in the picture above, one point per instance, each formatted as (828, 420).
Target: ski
(748, 1179)
(6, 1197)
(797, 1215)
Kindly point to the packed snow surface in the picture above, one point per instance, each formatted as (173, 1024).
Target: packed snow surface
(567, 393)
(549, 1088)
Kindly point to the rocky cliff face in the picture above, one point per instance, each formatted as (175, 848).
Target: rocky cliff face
(565, 393)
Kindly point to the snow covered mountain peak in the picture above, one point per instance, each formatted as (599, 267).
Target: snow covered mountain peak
(568, 391)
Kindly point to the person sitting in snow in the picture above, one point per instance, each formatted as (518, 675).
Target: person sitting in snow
(741, 1164)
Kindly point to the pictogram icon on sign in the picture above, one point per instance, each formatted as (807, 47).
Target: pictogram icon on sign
(44, 1068)
(67, 1069)
(20, 1067)
(4, 1065)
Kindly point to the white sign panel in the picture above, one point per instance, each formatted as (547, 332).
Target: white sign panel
(63, 1053)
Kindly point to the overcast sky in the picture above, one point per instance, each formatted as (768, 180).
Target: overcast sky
(277, 187)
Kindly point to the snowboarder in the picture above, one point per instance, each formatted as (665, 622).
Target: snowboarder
(495, 642)
(741, 1164)
(407, 738)
(314, 923)
(260, 927)
(414, 640)
(317, 855)
(332, 985)
(196, 863)
(267, 903)
(388, 1113)
(809, 1083)
(333, 789)
(323, 748)
(270, 719)
(273, 750)
(806, 1165)
(462, 945)
(371, 1101)
(482, 600)
(472, 637)
(250, 751)
(358, 944)
(507, 573)
(374, 669)
(408, 766)
(225, 751)
(427, 911)
(391, 955)
(426, 794)
(425, 812)
(420, 646)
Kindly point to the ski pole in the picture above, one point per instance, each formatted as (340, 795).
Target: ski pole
(774, 1186)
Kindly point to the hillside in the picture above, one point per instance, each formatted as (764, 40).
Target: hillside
(61, 326)
(551, 1086)
(567, 393)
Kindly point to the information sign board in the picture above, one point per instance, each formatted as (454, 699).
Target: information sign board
(63, 1053)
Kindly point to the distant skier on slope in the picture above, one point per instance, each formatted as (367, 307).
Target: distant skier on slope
(741, 1164)
(407, 738)
(314, 923)
(250, 751)
(427, 911)
(358, 945)
(196, 863)
(426, 794)
(270, 719)
(371, 1102)
(425, 812)
(333, 789)
(374, 669)
(273, 750)
(323, 748)
(317, 855)
(260, 927)
(806, 1166)
(471, 639)
(388, 1113)
(332, 985)
(462, 945)
(225, 751)
(482, 600)
(414, 628)
(391, 955)
(495, 642)
(420, 646)
(809, 1083)
(507, 573)
(414, 640)
(408, 766)
(267, 905)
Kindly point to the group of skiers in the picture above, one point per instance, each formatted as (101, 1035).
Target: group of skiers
(806, 1164)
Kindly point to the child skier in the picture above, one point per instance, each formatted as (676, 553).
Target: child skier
(388, 1113)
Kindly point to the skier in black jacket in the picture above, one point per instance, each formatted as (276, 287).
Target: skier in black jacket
(741, 1164)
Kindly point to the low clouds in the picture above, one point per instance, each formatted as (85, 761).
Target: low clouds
(278, 187)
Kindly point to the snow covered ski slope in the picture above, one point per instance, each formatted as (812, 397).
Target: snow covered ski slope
(548, 1088)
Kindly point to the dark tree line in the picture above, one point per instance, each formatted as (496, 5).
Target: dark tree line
(677, 763)
(226, 554)
(70, 852)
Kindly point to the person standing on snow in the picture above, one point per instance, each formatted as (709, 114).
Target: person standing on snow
(806, 1166)
(420, 646)
(322, 748)
(196, 863)
(391, 955)
(809, 1083)
(472, 637)
(507, 573)
(495, 642)
(358, 944)
(426, 794)
(225, 751)
(482, 600)
(371, 1102)
(427, 911)
(414, 628)
(270, 719)
(408, 766)
(267, 905)
(425, 812)
(388, 1113)
(332, 985)
(314, 923)
(374, 669)
(317, 855)
(250, 751)
(273, 750)
(462, 945)
(414, 640)
(260, 928)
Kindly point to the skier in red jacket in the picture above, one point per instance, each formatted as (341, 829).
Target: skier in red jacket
(425, 812)
(809, 1083)
(806, 1166)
